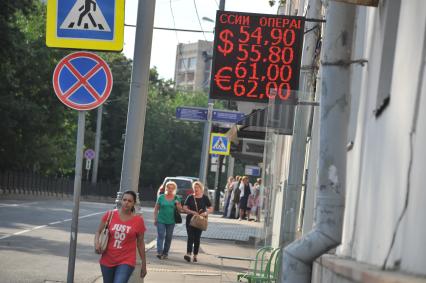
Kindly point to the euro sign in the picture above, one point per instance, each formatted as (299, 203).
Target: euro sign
(220, 79)
(228, 46)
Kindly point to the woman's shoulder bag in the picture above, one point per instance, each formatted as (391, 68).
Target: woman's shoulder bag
(104, 235)
(198, 221)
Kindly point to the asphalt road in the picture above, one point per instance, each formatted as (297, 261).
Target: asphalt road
(35, 237)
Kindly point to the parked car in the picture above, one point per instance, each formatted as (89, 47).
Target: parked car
(184, 186)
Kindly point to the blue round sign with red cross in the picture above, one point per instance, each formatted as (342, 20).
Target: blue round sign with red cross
(82, 80)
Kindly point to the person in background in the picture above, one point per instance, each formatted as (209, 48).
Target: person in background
(254, 199)
(235, 198)
(160, 190)
(204, 208)
(126, 233)
(227, 198)
(246, 190)
(164, 218)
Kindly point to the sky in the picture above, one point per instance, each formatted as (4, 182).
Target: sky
(164, 42)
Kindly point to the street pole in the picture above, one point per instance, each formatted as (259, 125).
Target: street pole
(77, 191)
(97, 145)
(207, 130)
(217, 182)
(137, 98)
(205, 156)
(231, 161)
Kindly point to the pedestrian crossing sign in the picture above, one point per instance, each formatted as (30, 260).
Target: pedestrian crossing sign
(219, 144)
(85, 24)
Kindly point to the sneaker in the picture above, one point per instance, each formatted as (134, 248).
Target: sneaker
(187, 258)
(160, 256)
(165, 256)
(194, 259)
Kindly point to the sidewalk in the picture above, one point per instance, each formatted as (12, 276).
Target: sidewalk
(224, 237)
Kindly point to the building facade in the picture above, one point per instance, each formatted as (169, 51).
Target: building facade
(382, 238)
(193, 65)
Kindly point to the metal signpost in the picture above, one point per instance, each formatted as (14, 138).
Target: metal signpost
(85, 24)
(82, 81)
(89, 154)
(200, 114)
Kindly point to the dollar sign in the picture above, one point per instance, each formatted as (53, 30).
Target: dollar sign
(225, 35)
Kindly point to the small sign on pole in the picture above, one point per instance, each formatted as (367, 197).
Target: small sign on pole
(219, 144)
(88, 164)
(89, 154)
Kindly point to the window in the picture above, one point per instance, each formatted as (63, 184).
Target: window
(182, 64)
(192, 63)
(190, 77)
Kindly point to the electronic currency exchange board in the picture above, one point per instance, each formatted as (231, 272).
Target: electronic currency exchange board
(256, 57)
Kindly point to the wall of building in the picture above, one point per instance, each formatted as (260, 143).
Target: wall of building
(385, 180)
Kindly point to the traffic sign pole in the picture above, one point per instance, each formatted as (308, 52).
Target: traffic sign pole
(205, 151)
(97, 145)
(77, 192)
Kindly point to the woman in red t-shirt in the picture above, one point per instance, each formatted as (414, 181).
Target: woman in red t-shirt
(126, 232)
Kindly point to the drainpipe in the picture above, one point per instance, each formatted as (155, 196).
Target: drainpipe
(334, 111)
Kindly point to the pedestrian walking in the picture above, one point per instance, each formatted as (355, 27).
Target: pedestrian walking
(254, 199)
(126, 233)
(227, 197)
(164, 218)
(195, 204)
(235, 198)
(246, 190)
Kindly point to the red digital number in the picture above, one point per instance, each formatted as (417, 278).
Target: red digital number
(253, 89)
(256, 34)
(240, 71)
(287, 91)
(286, 33)
(245, 33)
(287, 55)
(276, 54)
(271, 89)
(242, 48)
(288, 36)
(253, 71)
(254, 49)
(284, 72)
(239, 88)
(283, 90)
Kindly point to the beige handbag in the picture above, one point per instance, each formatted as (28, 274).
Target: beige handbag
(198, 221)
(104, 235)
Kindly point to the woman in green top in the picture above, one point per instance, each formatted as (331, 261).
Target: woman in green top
(164, 218)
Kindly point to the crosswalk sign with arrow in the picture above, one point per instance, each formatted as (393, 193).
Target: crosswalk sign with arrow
(219, 144)
(85, 24)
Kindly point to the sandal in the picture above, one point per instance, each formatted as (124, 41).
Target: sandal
(187, 258)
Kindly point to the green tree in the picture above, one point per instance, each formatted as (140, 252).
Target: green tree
(35, 126)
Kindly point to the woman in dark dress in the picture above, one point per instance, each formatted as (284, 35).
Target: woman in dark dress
(246, 191)
(204, 208)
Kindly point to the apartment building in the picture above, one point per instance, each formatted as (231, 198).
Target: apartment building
(193, 65)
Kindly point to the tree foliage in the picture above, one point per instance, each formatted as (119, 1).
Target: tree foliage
(38, 132)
